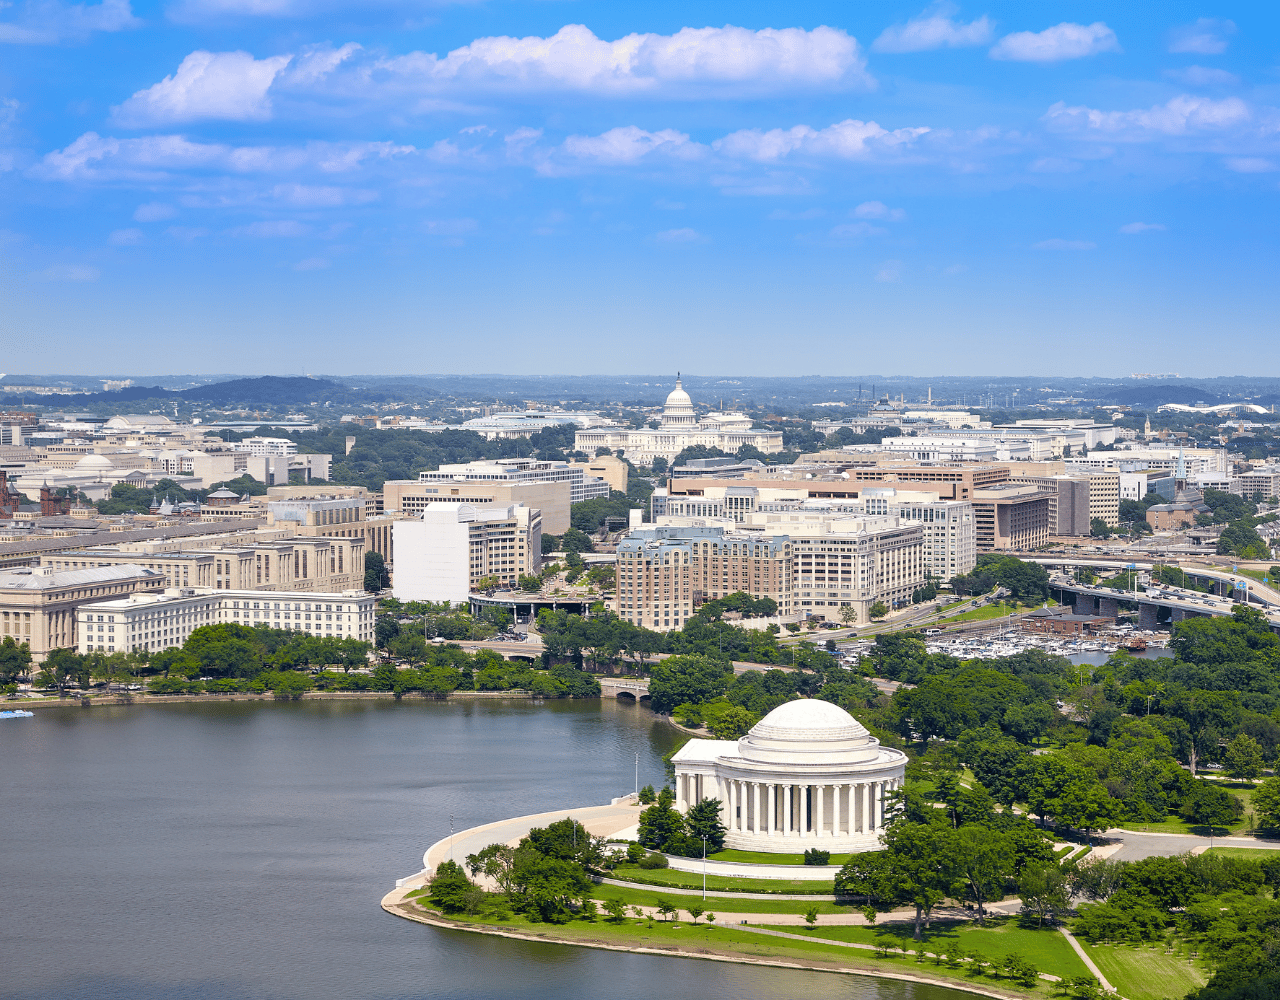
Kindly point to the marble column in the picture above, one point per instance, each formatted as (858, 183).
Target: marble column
(818, 824)
(786, 810)
(755, 804)
(773, 810)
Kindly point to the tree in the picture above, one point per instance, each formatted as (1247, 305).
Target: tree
(616, 910)
(922, 862)
(1242, 758)
(848, 614)
(984, 859)
(647, 795)
(449, 886)
(695, 911)
(1266, 802)
(15, 660)
(375, 572)
(680, 679)
(1044, 891)
(1211, 806)
(878, 611)
(703, 821)
(1099, 528)
(811, 916)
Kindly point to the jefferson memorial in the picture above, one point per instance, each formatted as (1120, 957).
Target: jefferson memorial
(807, 775)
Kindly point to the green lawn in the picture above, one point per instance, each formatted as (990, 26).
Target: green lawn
(762, 858)
(1145, 973)
(1246, 853)
(725, 883)
(983, 613)
(718, 904)
(1045, 948)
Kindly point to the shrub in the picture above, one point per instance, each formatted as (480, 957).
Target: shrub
(654, 860)
(636, 853)
(814, 856)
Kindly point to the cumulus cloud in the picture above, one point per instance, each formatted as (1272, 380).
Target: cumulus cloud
(629, 144)
(1183, 115)
(68, 272)
(1203, 76)
(698, 61)
(1064, 245)
(126, 237)
(48, 22)
(1249, 164)
(934, 29)
(231, 86)
(1062, 41)
(685, 235)
(154, 211)
(879, 210)
(1137, 228)
(856, 230)
(890, 272)
(1207, 36)
(93, 157)
(850, 140)
(451, 227)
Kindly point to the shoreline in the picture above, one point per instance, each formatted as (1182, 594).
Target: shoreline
(127, 700)
(394, 903)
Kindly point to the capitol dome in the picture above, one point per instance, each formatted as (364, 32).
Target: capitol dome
(678, 409)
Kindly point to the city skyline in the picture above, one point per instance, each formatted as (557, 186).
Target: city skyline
(275, 187)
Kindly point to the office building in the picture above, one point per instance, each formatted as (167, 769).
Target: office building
(410, 497)
(521, 470)
(1011, 516)
(156, 621)
(454, 547)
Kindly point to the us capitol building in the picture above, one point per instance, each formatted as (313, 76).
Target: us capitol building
(807, 775)
(679, 429)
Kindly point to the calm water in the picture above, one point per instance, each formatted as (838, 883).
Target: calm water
(240, 850)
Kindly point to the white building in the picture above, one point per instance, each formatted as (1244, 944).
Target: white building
(807, 775)
(522, 470)
(152, 622)
(266, 446)
(446, 553)
(679, 429)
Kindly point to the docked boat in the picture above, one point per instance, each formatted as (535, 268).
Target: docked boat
(16, 713)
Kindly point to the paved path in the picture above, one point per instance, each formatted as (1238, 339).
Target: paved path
(1135, 846)
(1088, 962)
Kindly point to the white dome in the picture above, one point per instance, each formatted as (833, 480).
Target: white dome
(678, 411)
(809, 731)
(678, 397)
(94, 462)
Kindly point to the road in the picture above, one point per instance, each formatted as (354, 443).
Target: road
(1135, 845)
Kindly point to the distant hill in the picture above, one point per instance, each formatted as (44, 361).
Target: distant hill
(1157, 393)
(257, 393)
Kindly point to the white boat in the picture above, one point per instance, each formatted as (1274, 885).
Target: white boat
(17, 713)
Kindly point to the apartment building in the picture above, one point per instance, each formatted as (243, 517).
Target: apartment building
(1262, 482)
(522, 470)
(665, 572)
(950, 482)
(447, 552)
(156, 621)
(950, 542)
(1011, 516)
(38, 605)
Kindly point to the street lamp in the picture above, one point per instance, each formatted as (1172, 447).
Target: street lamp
(638, 778)
(451, 836)
(704, 868)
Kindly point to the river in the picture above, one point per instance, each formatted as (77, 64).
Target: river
(239, 851)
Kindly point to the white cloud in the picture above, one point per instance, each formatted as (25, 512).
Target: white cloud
(231, 86)
(320, 196)
(451, 227)
(126, 237)
(1137, 228)
(856, 230)
(1183, 115)
(272, 229)
(629, 143)
(850, 139)
(1203, 76)
(934, 29)
(154, 211)
(1250, 164)
(685, 235)
(68, 272)
(476, 130)
(696, 61)
(186, 233)
(890, 272)
(47, 22)
(1062, 41)
(1064, 245)
(781, 214)
(155, 158)
(1205, 37)
(878, 210)
(311, 264)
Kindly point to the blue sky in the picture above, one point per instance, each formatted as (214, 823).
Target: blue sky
(404, 186)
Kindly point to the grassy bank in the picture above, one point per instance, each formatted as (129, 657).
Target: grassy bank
(670, 878)
(720, 904)
(763, 858)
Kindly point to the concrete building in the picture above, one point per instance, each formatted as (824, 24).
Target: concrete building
(156, 621)
(521, 470)
(411, 497)
(609, 468)
(38, 606)
(1011, 516)
(665, 572)
(949, 541)
(1136, 485)
(807, 775)
(950, 482)
(679, 429)
(266, 446)
(1260, 483)
(453, 547)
